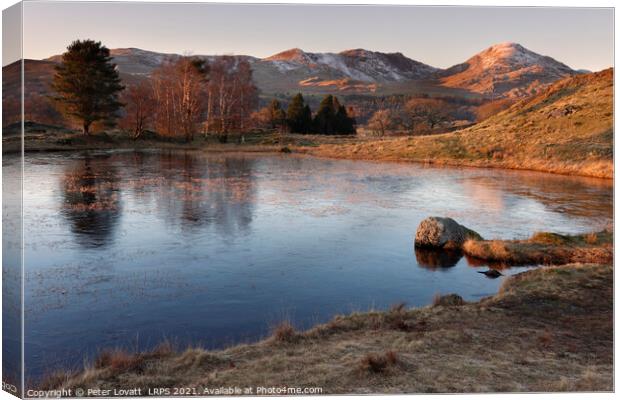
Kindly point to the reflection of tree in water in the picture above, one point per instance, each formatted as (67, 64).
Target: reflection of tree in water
(434, 259)
(195, 191)
(91, 204)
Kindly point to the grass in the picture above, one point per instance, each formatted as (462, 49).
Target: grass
(545, 248)
(448, 300)
(548, 329)
(284, 332)
(378, 363)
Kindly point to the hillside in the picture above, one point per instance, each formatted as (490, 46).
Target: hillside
(568, 128)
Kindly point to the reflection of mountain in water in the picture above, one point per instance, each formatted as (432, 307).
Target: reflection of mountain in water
(91, 201)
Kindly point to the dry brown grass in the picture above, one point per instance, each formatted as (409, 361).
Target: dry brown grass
(545, 248)
(378, 363)
(591, 238)
(548, 329)
(118, 360)
(284, 332)
(447, 300)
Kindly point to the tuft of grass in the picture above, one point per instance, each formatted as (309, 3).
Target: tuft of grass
(118, 360)
(284, 332)
(492, 250)
(549, 238)
(591, 238)
(164, 348)
(378, 363)
(396, 318)
(452, 299)
(545, 339)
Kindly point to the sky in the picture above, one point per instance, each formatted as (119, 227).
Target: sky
(439, 36)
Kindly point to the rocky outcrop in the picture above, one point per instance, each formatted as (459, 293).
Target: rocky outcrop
(439, 232)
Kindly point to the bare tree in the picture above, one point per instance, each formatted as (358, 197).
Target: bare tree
(232, 95)
(179, 89)
(139, 108)
(432, 112)
(382, 121)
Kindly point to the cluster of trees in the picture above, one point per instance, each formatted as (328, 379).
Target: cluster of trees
(188, 95)
(183, 96)
(331, 118)
(418, 114)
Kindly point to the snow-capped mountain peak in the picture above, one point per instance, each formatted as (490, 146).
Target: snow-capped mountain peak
(506, 69)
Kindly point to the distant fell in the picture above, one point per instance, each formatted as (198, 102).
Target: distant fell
(506, 70)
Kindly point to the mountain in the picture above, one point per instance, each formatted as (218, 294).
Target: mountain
(352, 71)
(356, 64)
(505, 70)
(502, 70)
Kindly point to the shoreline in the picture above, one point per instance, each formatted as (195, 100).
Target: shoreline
(327, 151)
(604, 169)
(455, 163)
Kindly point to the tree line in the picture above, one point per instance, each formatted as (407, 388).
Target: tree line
(183, 96)
(331, 118)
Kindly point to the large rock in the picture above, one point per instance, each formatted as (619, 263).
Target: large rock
(439, 232)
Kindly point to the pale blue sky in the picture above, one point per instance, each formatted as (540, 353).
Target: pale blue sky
(439, 36)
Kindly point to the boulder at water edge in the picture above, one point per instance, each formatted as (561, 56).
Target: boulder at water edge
(439, 232)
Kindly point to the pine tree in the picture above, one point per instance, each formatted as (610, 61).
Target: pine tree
(332, 118)
(277, 115)
(325, 116)
(345, 124)
(307, 119)
(299, 116)
(87, 84)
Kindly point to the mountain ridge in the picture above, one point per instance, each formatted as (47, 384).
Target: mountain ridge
(502, 70)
